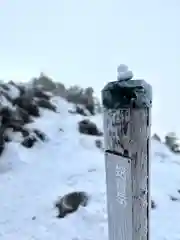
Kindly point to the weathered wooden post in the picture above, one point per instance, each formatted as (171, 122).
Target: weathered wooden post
(127, 106)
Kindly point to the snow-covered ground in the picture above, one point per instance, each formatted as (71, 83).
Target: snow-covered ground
(32, 179)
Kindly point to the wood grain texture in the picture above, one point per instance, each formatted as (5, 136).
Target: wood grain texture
(126, 135)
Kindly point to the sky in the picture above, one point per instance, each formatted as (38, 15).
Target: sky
(83, 41)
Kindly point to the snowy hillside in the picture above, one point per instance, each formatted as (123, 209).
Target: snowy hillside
(31, 179)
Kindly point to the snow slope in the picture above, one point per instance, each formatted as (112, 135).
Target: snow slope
(32, 179)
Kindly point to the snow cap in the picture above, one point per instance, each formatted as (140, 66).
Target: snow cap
(124, 73)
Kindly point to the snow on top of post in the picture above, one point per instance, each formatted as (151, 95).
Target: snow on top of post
(124, 73)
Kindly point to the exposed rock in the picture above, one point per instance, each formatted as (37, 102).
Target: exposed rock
(156, 137)
(22, 90)
(60, 90)
(153, 204)
(7, 138)
(77, 95)
(25, 132)
(72, 111)
(70, 203)
(7, 96)
(98, 143)
(19, 87)
(90, 108)
(4, 86)
(23, 114)
(9, 118)
(89, 128)
(90, 104)
(18, 128)
(46, 104)
(45, 82)
(174, 198)
(42, 136)
(13, 86)
(82, 110)
(28, 105)
(6, 116)
(173, 142)
(2, 141)
(40, 94)
(29, 142)
(13, 83)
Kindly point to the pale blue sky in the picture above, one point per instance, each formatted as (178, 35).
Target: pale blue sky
(83, 41)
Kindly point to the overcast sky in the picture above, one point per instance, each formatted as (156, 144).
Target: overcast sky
(83, 41)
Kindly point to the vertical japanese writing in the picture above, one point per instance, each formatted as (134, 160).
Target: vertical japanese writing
(117, 125)
(121, 185)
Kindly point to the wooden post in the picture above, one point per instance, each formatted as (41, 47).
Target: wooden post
(127, 106)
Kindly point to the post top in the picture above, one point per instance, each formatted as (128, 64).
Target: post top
(126, 92)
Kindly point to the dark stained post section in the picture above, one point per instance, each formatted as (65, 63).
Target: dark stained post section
(127, 106)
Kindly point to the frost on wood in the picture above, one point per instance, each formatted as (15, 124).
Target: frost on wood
(118, 188)
(127, 133)
(127, 94)
(127, 105)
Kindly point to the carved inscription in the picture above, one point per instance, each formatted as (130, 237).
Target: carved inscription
(117, 129)
(121, 185)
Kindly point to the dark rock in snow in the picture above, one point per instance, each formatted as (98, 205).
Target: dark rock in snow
(2, 141)
(2, 145)
(81, 110)
(7, 96)
(42, 136)
(153, 204)
(98, 143)
(72, 111)
(173, 142)
(90, 108)
(12, 86)
(25, 132)
(28, 105)
(4, 86)
(12, 83)
(19, 128)
(21, 88)
(6, 116)
(40, 94)
(7, 138)
(70, 203)
(9, 118)
(174, 198)
(156, 137)
(46, 104)
(88, 127)
(29, 142)
(23, 114)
